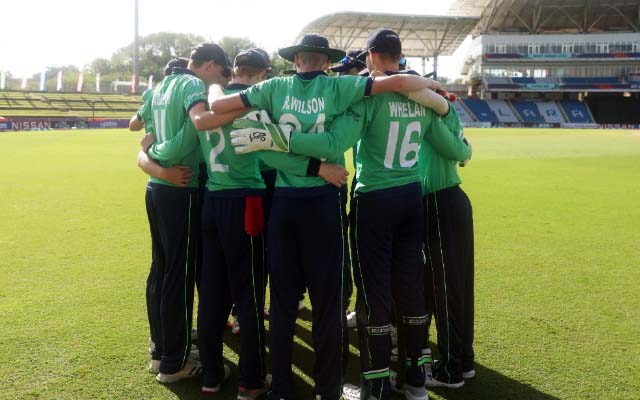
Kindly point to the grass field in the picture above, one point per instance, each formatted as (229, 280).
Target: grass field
(557, 223)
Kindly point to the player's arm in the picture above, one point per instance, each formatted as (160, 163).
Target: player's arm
(175, 148)
(303, 166)
(257, 96)
(344, 133)
(446, 142)
(136, 123)
(205, 120)
(416, 88)
(178, 175)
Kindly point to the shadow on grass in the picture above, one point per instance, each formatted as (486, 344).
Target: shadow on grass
(490, 384)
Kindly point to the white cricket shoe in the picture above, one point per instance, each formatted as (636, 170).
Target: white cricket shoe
(352, 392)
(468, 374)
(430, 381)
(409, 392)
(191, 369)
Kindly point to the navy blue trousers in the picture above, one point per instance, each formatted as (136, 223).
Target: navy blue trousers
(307, 248)
(232, 273)
(449, 274)
(173, 215)
(387, 236)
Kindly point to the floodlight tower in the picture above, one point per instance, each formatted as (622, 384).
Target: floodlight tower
(135, 48)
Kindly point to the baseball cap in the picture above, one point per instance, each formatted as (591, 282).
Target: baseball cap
(312, 43)
(211, 52)
(178, 62)
(252, 58)
(384, 40)
(353, 59)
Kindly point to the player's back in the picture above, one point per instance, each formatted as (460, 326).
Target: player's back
(309, 102)
(387, 153)
(170, 102)
(226, 169)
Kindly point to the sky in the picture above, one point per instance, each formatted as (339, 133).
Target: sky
(39, 33)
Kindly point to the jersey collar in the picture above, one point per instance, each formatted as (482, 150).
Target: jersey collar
(236, 86)
(307, 76)
(178, 71)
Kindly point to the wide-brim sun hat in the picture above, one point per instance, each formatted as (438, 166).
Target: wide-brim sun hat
(312, 43)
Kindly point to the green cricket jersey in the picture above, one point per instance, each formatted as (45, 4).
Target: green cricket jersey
(176, 137)
(387, 130)
(309, 102)
(225, 168)
(438, 158)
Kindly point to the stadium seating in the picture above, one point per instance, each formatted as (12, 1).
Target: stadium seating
(528, 111)
(465, 116)
(503, 111)
(551, 112)
(576, 111)
(481, 110)
(85, 105)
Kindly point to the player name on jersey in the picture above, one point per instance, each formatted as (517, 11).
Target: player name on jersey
(406, 109)
(310, 106)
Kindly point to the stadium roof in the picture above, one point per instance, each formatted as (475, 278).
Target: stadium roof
(538, 16)
(421, 35)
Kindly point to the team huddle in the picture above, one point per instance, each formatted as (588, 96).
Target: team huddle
(273, 202)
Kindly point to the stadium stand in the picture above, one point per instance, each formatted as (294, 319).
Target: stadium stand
(463, 112)
(481, 110)
(528, 111)
(551, 112)
(77, 105)
(503, 111)
(576, 112)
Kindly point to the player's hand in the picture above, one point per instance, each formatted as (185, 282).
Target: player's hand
(249, 136)
(179, 175)
(465, 162)
(146, 141)
(334, 174)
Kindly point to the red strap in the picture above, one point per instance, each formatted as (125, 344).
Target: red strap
(253, 216)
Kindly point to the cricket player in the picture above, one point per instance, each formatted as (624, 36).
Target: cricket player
(450, 260)
(179, 175)
(176, 102)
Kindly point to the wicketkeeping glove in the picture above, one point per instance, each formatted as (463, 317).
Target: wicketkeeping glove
(249, 136)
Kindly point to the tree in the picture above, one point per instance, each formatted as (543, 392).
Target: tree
(100, 65)
(156, 50)
(279, 64)
(234, 45)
